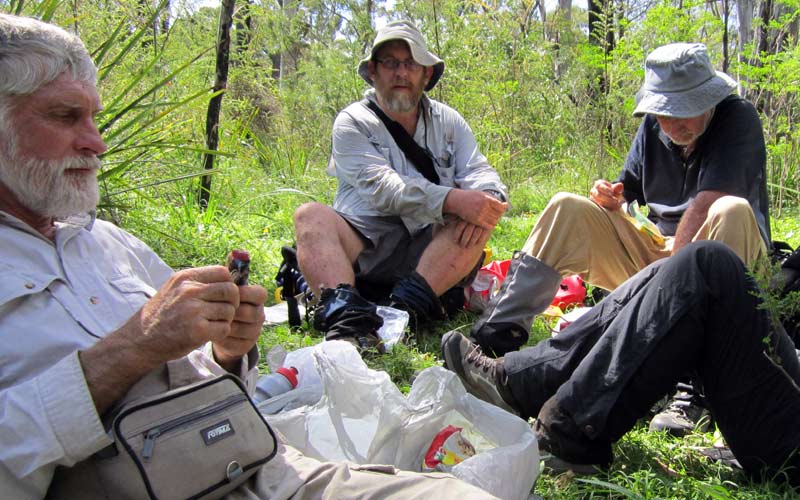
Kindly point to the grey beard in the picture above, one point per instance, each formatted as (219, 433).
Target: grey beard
(401, 103)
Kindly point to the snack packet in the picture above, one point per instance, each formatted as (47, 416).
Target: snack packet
(448, 448)
(643, 224)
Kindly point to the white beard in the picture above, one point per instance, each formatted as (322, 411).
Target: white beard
(45, 187)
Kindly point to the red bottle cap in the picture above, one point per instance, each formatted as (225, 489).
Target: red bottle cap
(290, 373)
(241, 255)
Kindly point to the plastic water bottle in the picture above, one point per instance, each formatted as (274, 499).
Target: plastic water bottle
(283, 380)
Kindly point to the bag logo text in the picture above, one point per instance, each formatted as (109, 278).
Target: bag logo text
(217, 432)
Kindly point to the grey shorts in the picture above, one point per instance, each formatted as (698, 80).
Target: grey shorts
(390, 251)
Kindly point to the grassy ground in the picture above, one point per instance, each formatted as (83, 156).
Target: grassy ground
(647, 465)
(254, 212)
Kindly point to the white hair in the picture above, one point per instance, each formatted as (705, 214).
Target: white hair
(34, 53)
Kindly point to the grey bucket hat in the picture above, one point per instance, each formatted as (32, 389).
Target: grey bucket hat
(407, 32)
(680, 82)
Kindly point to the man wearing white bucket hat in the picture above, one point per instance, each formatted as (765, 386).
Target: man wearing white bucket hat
(416, 200)
(697, 162)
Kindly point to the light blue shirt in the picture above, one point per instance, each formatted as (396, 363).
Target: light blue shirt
(56, 298)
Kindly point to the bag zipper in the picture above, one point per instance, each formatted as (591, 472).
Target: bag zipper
(151, 435)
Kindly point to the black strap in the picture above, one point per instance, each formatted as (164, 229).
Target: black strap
(413, 151)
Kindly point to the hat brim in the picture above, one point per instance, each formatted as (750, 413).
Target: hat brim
(421, 56)
(685, 103)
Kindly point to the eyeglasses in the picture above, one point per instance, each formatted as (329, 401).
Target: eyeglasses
(393, 64)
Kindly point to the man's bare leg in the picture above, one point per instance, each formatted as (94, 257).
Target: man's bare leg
(444, 262)
(327, 247)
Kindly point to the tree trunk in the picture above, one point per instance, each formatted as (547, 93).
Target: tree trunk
(565, 6)
(595, 22)
(726, 10)
(215, 104)
(744, 11)
(762, 34)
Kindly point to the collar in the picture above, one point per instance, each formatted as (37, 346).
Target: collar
(78, 221)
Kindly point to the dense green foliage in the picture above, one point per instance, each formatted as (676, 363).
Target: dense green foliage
(550, 109)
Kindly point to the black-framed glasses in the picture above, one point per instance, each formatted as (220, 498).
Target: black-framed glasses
(393, 64)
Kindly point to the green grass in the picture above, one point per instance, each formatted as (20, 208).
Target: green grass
(647, 465)
(254, 212)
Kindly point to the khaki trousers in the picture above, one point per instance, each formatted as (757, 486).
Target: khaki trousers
(576, 236)
(291, 475)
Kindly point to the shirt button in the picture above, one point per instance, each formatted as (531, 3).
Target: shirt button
(29, 285)
(94, 300)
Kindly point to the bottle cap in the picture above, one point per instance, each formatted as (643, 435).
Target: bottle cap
(290, 373)
(240, 254)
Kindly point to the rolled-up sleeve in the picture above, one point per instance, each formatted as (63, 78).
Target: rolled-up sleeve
(472, 167)
(46, 421)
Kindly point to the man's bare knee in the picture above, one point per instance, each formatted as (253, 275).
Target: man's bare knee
(313, 212)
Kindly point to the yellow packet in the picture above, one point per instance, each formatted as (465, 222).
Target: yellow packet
(643, 224)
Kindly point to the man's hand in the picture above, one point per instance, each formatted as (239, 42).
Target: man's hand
(467, 235)
(245, 329)
(607, 195)
(191, 308)
(194, 306)
(474, 207)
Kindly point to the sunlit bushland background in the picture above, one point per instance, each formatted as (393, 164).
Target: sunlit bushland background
(218, 122)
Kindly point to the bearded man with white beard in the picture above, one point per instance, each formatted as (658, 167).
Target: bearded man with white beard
(416, 201)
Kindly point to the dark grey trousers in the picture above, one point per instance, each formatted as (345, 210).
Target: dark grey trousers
(696, 313)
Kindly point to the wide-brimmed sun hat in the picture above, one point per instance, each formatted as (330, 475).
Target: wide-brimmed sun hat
(680, 82)
(407, 32)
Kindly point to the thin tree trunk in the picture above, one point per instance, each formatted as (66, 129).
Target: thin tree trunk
(565, 6)
(762, 34)
(215, 104)
(726, 10)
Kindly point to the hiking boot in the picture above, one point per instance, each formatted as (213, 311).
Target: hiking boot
(564, 447)
(482, 376)
(342, 314)
(682, 415)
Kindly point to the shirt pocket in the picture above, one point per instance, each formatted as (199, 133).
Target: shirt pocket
(446, 165)
(132, 289)
(16, 285)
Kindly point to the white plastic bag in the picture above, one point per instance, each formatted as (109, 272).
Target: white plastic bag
(362, 417)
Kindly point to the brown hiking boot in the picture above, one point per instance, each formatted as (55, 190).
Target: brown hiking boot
(564, 447)
(682, 416)
(482, 376)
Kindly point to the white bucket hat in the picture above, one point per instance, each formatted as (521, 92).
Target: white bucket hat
(680, 82)
(407, 32)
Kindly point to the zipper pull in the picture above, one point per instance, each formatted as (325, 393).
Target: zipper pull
(150, 443)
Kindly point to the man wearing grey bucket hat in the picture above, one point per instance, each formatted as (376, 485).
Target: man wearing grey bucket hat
(697, 162)
(416, 200)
